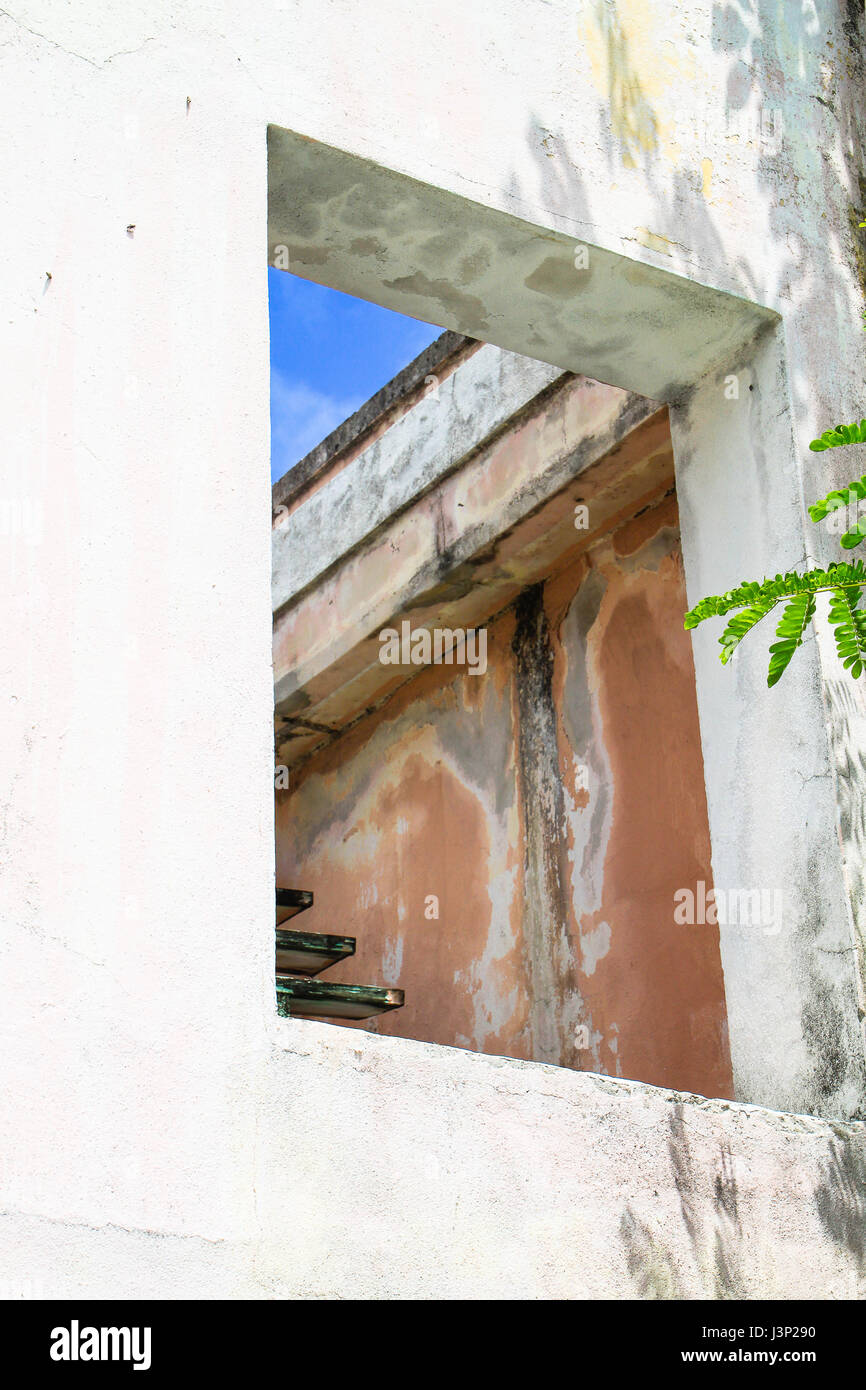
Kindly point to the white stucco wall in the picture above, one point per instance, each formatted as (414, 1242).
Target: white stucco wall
(157, 1122)
(531, 1182)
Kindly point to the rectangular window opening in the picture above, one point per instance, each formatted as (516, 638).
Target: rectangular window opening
(490, 805)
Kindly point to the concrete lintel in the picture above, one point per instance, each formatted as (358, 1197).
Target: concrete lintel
(433, 255)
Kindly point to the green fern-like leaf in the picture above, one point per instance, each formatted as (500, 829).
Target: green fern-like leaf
(754, 601)
(854, 493)
(839, 497)
(792, 626)
(841, 434)
(739, 625)
(855, 536)
(849, 623)
(769, 592)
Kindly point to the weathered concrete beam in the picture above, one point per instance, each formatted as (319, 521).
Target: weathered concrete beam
(468, 408)
(422, 375)
(466, 548)
(433, 255)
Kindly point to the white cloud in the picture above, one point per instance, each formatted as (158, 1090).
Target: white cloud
(301, 417)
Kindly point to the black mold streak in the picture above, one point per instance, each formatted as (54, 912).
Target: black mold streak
(543, 803)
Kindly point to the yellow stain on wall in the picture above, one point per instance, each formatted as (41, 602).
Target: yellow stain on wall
(653, 241)
(706, 176)
(639, 67)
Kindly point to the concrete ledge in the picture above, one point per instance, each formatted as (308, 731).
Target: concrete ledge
(532, 1181)
(559, 1184)
(499, 520)
(448, 349)
(469, 407)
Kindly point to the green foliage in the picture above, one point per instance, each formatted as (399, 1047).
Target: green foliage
(771, 591)
(842, 497)
(844, 583)
(739, 625)
(850, 628)
(792, 625)
(842, 434)
(754, 601)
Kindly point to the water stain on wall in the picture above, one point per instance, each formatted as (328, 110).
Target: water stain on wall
(506, 848)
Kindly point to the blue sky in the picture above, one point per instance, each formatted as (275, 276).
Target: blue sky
(329, 353)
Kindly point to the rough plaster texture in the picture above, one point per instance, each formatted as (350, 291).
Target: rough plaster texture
(154, 1118)
(531, 1182)
(421, 799)
(633, 825)
(477, 401)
